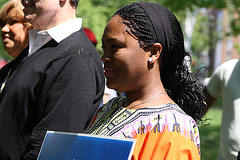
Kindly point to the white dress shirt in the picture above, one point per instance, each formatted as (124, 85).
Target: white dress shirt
(38, 38)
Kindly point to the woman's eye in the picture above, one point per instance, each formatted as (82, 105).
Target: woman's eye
(114, 46)
(13, 22)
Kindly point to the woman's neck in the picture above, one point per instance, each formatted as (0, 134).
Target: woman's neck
(148, 96)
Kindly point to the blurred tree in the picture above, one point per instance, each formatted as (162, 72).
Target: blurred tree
(234, 8)
(200, 30)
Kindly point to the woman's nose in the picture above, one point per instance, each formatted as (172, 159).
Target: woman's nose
(106, 58)
(6, 28)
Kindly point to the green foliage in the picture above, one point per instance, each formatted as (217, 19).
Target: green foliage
(94, 17)
(237, 46)
(2, 2)
(235, 24)
(3, 54)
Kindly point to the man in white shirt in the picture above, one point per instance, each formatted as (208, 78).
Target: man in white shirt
(225, 81)
(56, 83)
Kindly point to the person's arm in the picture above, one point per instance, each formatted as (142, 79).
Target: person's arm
(216, 83)
(210, 99)
(69, 96)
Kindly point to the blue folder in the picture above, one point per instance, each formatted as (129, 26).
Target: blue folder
(77, 146)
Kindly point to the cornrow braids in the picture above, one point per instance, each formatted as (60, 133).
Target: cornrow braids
(139, 24)
(182, 86)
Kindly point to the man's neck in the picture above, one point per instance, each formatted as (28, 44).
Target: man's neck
(59, 19)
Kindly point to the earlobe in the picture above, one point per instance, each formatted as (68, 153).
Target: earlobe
(150, 60)
(155, 52)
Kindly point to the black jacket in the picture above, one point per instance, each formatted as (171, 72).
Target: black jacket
(59, 88)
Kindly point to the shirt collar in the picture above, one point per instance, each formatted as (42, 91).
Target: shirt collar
(38, 38)
(61, 31)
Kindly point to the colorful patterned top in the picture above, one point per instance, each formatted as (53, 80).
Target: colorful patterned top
(162, 132)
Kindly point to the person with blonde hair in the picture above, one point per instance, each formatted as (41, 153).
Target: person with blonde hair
(14, 30)
(14, 33)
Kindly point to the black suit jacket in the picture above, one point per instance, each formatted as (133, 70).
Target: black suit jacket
(59, 87)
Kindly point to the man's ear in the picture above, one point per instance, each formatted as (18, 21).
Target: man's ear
(156, 51)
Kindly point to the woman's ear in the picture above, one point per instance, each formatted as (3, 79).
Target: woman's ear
(156, 51)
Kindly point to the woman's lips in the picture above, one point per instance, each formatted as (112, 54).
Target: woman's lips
(109, 72)
(5, 39)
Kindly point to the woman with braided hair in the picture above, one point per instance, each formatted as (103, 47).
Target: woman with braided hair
(144, 57)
